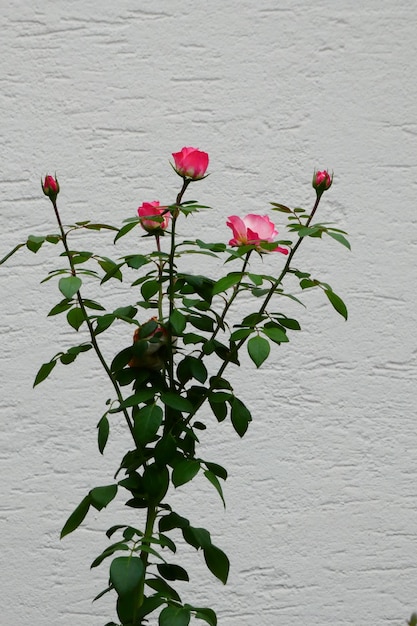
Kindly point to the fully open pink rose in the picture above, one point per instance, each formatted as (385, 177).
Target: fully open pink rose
(191, 163)
(253, 230)
(147, 210)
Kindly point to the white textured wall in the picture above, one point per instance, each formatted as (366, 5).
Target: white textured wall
(321, 525)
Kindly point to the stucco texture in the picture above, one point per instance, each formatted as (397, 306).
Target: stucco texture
(321, 524)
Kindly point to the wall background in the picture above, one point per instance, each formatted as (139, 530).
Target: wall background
(320, 525)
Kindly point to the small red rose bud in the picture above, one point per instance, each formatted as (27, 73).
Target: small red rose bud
(322, 181)
(50, 187)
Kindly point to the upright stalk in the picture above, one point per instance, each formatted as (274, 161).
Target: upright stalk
(144, 555)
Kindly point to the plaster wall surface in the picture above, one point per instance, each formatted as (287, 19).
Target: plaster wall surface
(321, 524)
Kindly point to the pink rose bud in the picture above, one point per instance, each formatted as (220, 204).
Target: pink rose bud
(50, 187)
(253, 230)
(191, 163)
(150, 210)
(322, 181)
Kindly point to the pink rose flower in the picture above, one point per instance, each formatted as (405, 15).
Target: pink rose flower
(50, 187)
(253, 230)
(322, 181)
(149, 209)
(191, 163)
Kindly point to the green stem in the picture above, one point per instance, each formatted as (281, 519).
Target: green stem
(144, 555)
(228, 303)
(171, 270)
(160, 268)
(90, 326)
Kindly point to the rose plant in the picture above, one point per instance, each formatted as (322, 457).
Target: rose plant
(171, 373)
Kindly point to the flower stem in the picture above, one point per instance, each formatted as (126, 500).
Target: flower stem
(144, 555)
(89, 324)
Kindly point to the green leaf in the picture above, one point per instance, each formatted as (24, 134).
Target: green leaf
(201, 322)
(178, 322)
(217, 562)
(217, 469)
(258, 349)
(44, 372)
(275, 334)
(185, 471)
(163, 589)
(176, 402)
(108, 552)
(240, 416)
(76, 517)
(135, 261)
(122, 358)
(306, 283)
(75, 317)
(61, 307)
(226, 282)
(191, 367)
(149, 289)
(219, 407)
(289, 323)
(172, 520)
(337, 303)
(280, 207)
(196, 537)
(141, 396)
(103, 433)
(125, 229)
(174, 616)
(216, 484)
(126, 573)
(252, 319)
(241, 333)
(340, 238)
(165, 449)
(208, 615)
(147, 422)
(67, 358)
(172, 572)
(100, 497)
(34, 243)
(156, 481)
(69, 286)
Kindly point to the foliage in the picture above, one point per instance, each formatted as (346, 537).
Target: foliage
(174, 366)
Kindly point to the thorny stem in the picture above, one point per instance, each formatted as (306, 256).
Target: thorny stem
(90, 326)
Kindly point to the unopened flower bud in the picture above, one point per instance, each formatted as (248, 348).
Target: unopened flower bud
(50, 187)
(322, 181)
